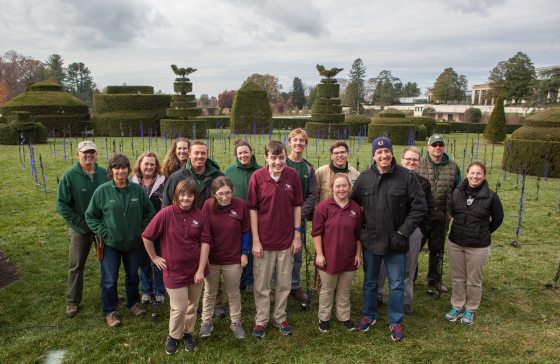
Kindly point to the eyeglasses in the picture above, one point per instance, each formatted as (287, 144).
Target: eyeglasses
(339, 153)
(438, 145)
(223, 194)
(410, 160)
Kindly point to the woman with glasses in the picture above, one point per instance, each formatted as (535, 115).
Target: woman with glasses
(229, 226)
(477, 212)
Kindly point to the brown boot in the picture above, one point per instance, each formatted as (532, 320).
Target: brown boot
(71, 310)
(408, 310)
(113, 319)
(137, 311)
(299, 295)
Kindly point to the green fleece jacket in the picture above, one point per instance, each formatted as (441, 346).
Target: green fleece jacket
(74, 192)
(119, 215)
(240, 176)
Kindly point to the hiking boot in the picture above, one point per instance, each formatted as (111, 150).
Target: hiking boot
(146, 298)
(397, 333)
(219, 312)
(113, 319)
(349, 325)
(170, 345)
(188, 341)
(137, 311)
(364, 324)
(237, 329)
(249, 288)
(259, 331)
(324, 326)
(408, 310)
(71, 310)
(160, 299)
(438, 286)
(299, 295)
(284, 327)
(453, 315)
(205, 329)
(468, 318)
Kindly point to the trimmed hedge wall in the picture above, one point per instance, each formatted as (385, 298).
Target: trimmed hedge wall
(23, 126)
(328, 118)
(327, 109)
(398, 133)
(182, 87)
(251, 108)
(421, 133)
(183, 113)
(213, 121)
(120, 102)
(327, 90)
(183, 104)
(144, 90)
(477, 128)
(391, 113)
(333, 131)
(191, 128)
(427, 121)
(290, 123)
(442, 128)
(531, 155)
(111, 123)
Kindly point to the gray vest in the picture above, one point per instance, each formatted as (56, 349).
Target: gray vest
(442, 181)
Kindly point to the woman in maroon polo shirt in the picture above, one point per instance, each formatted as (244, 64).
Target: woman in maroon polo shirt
(336, 224)
(185, 243)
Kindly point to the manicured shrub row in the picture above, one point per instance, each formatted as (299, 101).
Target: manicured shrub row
(392, 113)
(328, 118)
(45, 86)
(327, 109)
(250, 109)
(23, 130)
(442, 128)
(128, 122)
(477, 128)
(421, 133)
(183, 113)
(328, 102)
(144, 90)
(183, 98)
(103, 103)
(62, 123)
(183, 104)
(391, 120)
(288, 123)
(190, 128)
(547, 117)
(531, 155)
(398, 133)
(219, 121)
(360, 119)
(427, 121)
(328, 90)
(333, 131)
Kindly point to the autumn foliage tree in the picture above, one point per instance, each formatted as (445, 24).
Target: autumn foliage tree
(225, 99)
(18, 71)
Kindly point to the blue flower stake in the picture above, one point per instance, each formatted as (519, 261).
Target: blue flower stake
(519, 228)
(43, 173)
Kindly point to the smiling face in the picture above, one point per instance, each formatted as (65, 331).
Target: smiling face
(339, 157)
(410, 160)
(224, 195)
(148, 167)
(297, 143)
(276, 163)
(436, 150)
(87, 159)
(341, 187)
(186, 201)
(243, 154)
(475, 176)
(119, 175)
(198, 156)
(383, 158)
(182, 152)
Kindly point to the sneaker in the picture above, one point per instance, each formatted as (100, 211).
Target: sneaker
(299, 295)
(71, 310)
(408, 310)
(249, 288)
(188, 341)
(146, 298)
(113, 319)
(237, 329)
(170, 345)
(137, 311)
(259, 331)
(324, 326)
(453, 315)
(364, 324)
(397, 333)
(349, 325)
(160, 299)
(284, 327)
(219, 312)
(468, 318)
(205, 329)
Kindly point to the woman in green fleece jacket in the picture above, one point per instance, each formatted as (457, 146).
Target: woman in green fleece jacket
(118, 213)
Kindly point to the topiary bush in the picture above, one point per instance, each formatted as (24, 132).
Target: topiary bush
(442, 128)
(391, 113)
(214, 122)
(189, 128)
(427, 121)
(103, 103)
(23, 130)
(334, 131)
(144, 90)
(495, 131)
(251, 109)
(289, 123)
(421, 133)
(473, 115)
(357, 119)
(398, 133)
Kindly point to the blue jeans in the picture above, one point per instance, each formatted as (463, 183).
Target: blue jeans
(247, 273)
(109, 268)
(149, 287)
(395, 267)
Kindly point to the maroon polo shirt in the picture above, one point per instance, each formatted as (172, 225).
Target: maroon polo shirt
(181, 234)
(226, 226)
(339, 229)
(275, 202)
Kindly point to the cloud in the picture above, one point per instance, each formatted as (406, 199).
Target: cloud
(471, 6)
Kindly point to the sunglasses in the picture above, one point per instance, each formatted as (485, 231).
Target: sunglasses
(438, 144)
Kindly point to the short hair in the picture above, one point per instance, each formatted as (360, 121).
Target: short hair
(338, 144)
(197, 142)
(340, 175)
(298, 131)
(274, 147)
(171, 162)
(477, 163)
(187, 186)
(240, 143)
(410, 148)
(138, 172)
(117, 161)
(218, 183)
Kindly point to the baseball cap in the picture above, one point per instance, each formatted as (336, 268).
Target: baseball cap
(436, 138)
(86, 145)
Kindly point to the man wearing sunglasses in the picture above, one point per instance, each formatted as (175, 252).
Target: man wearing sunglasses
(444, 175)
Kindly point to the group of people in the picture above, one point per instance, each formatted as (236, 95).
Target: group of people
(186, 224)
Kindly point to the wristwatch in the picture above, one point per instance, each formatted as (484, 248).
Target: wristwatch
(298, 229)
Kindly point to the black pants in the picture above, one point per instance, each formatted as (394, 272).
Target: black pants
(436, 245)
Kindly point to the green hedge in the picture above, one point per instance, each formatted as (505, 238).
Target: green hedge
(63, 123)
(398, 133)
(112, 103)
(32, 132)
(328, 118)
(391, 120)
(111, 123)
(473, 115)
(144, 90)
(360, 119)
(537, 133)
(392, 113)
(333, 131)
(328, 102)
(547, 117)
(289, 123)
(327, 90)
(183, 104)
(183, 98)
(477, 128)
(250, 108)
(191, 128)
(213, 121)
(326, 109)
(183, 113)
(45, 86)
(427, 121)
(182, 87)
(442, 128)
(421, 133)
(531, 155)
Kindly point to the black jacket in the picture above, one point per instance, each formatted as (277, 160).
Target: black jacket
(426, 224)
(392, 201)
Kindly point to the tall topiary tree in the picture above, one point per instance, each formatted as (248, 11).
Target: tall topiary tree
(473, 115)
(495, 131)
(251, 109)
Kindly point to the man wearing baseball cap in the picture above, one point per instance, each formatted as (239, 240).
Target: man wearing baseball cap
(394, 205)
(444, 176)
(74, 192)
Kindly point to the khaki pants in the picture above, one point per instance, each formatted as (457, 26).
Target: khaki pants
(80, 245)
(262, 271)
(232, 275)
(183, 303)
(466, 275)
(341, 284)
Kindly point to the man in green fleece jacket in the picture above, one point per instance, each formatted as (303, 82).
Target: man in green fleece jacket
(118, 212)
(74, 192)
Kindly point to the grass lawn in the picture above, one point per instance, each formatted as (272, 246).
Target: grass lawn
(518, 320)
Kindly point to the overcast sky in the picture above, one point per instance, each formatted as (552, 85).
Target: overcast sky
(136, 41)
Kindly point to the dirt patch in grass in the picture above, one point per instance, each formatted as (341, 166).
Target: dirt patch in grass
(8, 271)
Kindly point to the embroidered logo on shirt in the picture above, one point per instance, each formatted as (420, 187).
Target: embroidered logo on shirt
(195, 224)
(112, 201)
(233, 212)
(84, 190)
(353, 213)
(288, 187)
(133, 200)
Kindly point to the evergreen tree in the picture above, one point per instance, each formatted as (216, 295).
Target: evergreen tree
(495, 131)
(385, 92)
(55, 67)
(79, 82)
(357, 76)
(298, 93)
(513, 78)
(449, 86)
(410, 89)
